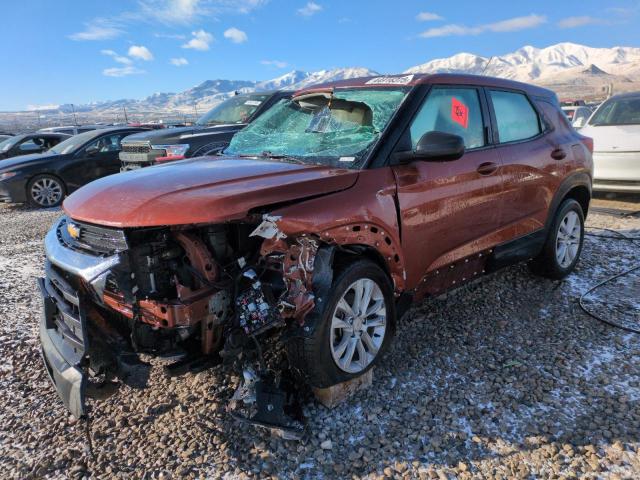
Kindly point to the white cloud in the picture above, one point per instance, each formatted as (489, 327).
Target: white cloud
(311, 8)
(172, 11)
(200, 41)
(274, 63)
(235, 35)
(517, 23)
(122, 71)
(100, 30)
(179, 62)
(427, 17)
(176, 36)
(141, 52)
(509, 25)
(573, 22)
(187, 12)
(166, 12)
(118, 58)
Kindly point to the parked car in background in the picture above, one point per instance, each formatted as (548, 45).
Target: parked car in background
(320, 223)
(578, 116)
(71, 129)
(29, 143)
(44, 179)
(615, 129)
(211, 133)
(4, 136)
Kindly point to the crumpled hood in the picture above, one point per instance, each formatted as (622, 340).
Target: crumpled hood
(15, 163)
(614, 138)
(200, 190)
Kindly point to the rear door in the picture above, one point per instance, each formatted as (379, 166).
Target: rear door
(534, 159)
(448, 209)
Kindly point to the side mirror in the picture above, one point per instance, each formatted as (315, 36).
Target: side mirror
(439, 146)
(92, 150)
(436, 146)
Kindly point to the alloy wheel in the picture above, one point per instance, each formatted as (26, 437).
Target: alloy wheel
(568, 239)
(46, 192)
(358, 326)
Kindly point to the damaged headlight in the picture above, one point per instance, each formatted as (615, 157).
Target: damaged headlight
(7, 175)
(172, 152)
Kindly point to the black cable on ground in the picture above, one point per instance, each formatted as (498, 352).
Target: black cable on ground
(621, 236)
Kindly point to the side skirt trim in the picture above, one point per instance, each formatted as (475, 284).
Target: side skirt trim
(518, 250)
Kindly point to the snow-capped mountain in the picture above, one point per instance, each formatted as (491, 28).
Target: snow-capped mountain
(211, 92)
(323, 76)
(537, 64)
(568, 68)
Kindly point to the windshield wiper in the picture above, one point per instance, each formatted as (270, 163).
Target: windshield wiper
(286, 158)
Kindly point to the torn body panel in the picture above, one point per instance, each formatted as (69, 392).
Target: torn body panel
(340, 220)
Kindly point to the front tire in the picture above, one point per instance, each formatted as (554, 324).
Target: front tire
(563, 246)
(354, 330)
(45, 191)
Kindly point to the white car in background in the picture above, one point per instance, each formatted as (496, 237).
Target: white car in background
(615, 129)
(577, 116)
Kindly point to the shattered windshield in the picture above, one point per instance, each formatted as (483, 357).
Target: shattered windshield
(329, 128)
(237, 109)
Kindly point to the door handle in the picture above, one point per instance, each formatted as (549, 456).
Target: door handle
(558, 154)
(487, 168)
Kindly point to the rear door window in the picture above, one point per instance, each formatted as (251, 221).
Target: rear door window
(451, 110)
(34, 144)
(515, 116)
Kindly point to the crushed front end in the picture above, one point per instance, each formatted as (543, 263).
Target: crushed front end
(183, 294)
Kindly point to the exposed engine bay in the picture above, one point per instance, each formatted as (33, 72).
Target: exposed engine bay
(196, 297)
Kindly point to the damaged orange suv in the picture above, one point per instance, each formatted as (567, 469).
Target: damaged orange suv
(315, 230)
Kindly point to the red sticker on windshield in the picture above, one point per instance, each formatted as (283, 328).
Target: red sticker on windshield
(459, 113)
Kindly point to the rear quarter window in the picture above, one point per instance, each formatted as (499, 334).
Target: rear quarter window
(553, 115)
(515, 116)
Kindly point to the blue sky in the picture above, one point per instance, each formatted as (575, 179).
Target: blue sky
(77, 51)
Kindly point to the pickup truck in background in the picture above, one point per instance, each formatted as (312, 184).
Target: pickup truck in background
(211, 133)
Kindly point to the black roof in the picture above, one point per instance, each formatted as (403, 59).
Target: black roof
(44, 134)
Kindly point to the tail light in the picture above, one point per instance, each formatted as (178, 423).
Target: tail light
(172, 152)
(587, 142)
(169, 159)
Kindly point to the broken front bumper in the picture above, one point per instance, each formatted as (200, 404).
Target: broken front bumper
(63, 325)
(63, 340)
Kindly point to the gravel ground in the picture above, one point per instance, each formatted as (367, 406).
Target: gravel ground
(506, 377)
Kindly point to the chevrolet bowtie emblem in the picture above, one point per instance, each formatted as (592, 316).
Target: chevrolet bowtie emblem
(73, 230)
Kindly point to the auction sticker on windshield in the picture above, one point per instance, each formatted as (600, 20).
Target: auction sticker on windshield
(404, 80)
(253, 103)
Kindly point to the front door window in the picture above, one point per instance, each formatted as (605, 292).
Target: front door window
(451, 110)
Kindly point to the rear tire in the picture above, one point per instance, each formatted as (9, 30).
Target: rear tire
(354, 331)
(45, 191)
(563, 246)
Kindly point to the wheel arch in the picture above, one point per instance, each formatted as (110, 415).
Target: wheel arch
(349, 252)
(373, 241)
(577, 187)
(42, 174)
(582, 195)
